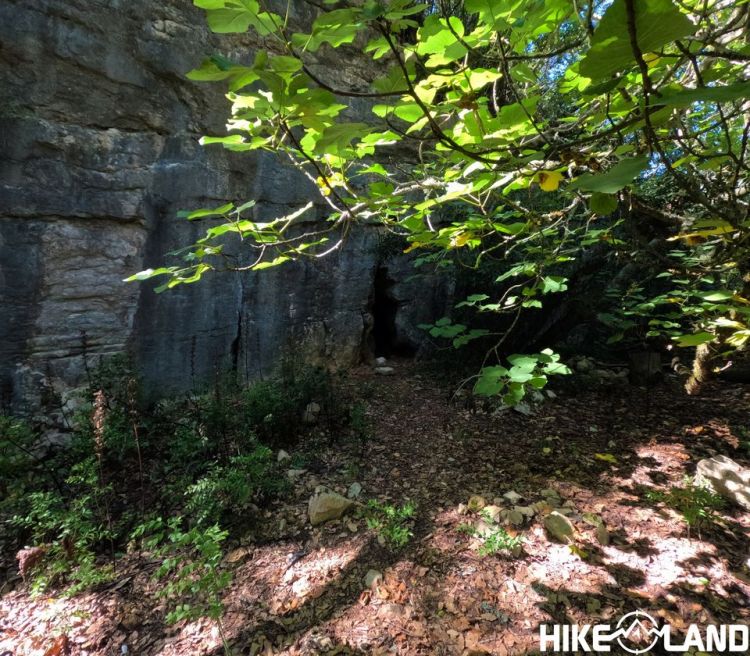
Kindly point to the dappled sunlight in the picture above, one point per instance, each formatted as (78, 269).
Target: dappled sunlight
(198, 637)
(33, 626)
(309, 577)
(666, 566)
(308, 596)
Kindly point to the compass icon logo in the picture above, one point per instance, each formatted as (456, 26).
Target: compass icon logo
(637, 632)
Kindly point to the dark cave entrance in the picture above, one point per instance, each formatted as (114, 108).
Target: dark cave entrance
(386, 341)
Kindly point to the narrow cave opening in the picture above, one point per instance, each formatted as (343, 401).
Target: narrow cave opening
(386, 340)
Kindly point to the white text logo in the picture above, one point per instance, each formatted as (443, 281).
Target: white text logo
(638, 633)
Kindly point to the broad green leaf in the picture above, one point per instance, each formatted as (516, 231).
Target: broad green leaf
(603, 204)
(229, 20)
(516, 392)
(203, 213)
(657, 22)
(272, 263)
(462, 340)
(694, 340)
(523, 362)
(149, 273)
(720, 94)
(618, 177)
(489, 11)
(209, 71)
(717, 297)
(409, 112)
(554, 284)
(336, 138)
(491, 381)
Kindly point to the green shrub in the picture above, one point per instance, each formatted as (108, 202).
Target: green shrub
(71, 531)
(272, 412)
(203, 455)
(230, 487)
(191, 569)
(19, 465)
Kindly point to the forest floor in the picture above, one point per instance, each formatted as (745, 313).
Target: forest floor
(300, 590)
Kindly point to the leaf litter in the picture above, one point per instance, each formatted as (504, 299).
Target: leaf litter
(591, 456)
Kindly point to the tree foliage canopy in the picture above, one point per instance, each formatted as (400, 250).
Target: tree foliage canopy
(525, 132)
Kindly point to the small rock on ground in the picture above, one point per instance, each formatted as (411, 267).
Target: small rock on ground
(326, 506)
(355, 489)
(727, 478)
(512, 497)
(373, 577)
(476, 503)
(559, 527)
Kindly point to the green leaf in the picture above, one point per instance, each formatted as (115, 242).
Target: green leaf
(603, 204)
(516, 392)
(209, 4)
(209, 71)
(694, 340)
(476, 333)
(272, 263)
(336, 138)
(618, 177)
(687, 97)
(523, 362)
(491, 381)
(229, 20)
(203, 213)
(489, 12)
(409, 112)
(717, 297)
(435, 37)
(657, 23)
(284, 64)
(149, 273)
(554, 284)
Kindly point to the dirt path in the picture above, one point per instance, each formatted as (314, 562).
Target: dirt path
(596, 454)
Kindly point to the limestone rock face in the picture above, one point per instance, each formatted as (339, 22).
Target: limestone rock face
(100, 151)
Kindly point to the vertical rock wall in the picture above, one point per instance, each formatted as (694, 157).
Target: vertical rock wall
(99, 150)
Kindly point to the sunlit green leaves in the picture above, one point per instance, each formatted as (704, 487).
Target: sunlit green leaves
(205, 213)
(525, 369)
(657, 23)
(694, 340)
(506, 133)
(490, 12)
(336, 27)
(237, 16)
(442, 37)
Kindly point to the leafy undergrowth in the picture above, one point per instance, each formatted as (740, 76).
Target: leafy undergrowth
(614, 459)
